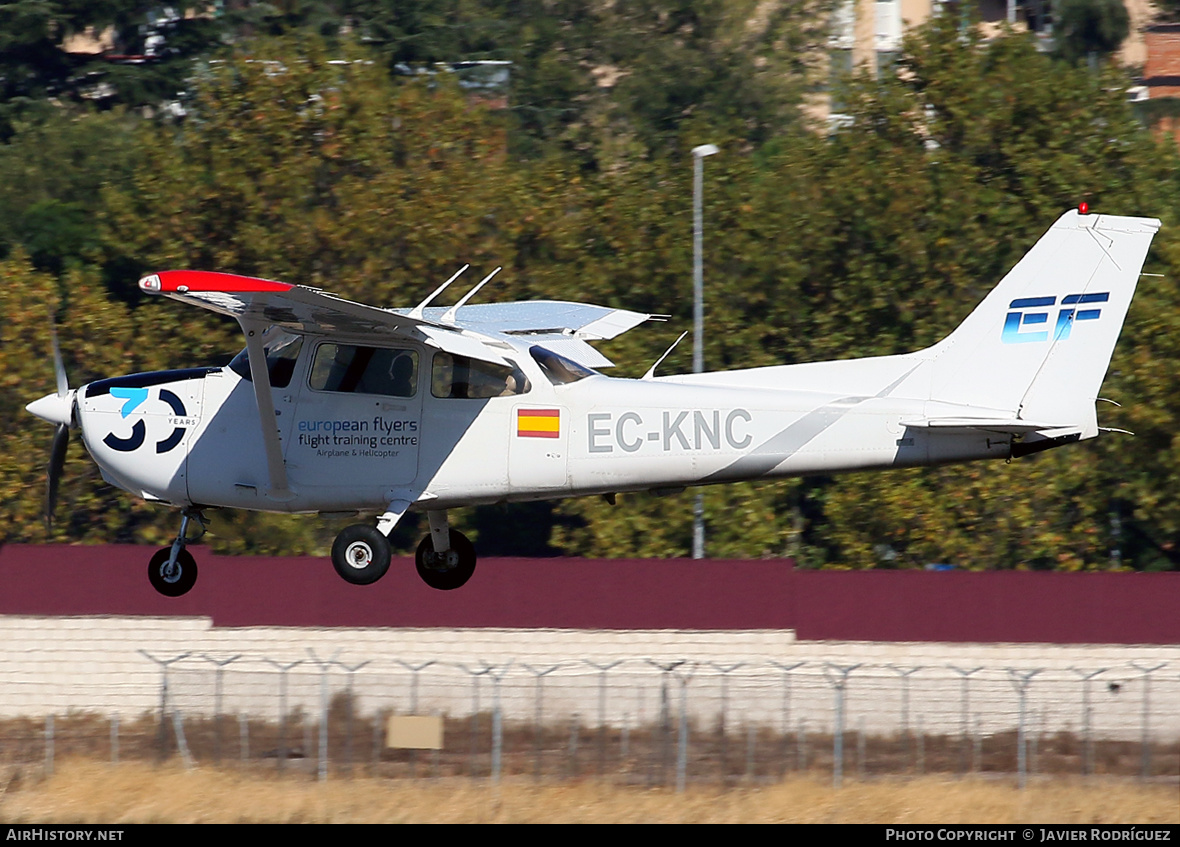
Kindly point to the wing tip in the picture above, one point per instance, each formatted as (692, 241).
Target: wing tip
(184, 282)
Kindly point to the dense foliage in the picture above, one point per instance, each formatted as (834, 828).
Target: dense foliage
(314, 157)
(1089, 29)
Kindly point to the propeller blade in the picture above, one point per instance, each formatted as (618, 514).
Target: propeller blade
(57, 460)
(59, 368)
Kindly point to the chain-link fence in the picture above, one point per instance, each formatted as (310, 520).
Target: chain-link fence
(630, 720)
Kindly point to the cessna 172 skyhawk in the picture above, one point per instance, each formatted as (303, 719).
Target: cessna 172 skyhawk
(335, 406)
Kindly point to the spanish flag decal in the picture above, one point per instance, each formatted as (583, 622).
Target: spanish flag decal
(538, 423)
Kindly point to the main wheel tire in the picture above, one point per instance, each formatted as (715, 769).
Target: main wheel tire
(182, 577)
(446, 571)
(360, 554)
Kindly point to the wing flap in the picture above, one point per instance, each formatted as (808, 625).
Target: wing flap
(542, 317)
(461, 345)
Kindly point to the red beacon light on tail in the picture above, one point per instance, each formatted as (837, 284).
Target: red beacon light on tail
(1083, 208)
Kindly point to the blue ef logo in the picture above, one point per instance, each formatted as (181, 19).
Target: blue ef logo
(1029, 319)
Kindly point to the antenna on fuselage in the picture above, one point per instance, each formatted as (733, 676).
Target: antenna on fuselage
(449, 315)
(416, 312)
(652, 370)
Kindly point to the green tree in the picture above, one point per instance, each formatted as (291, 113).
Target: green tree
(616, 82)
(98, 338)
(52, 174)
(645, 75)
(37, 75)
(1089, 29)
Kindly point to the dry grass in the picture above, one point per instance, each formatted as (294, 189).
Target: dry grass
(89, 792)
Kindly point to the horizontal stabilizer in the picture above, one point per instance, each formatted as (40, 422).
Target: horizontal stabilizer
(1012, 426)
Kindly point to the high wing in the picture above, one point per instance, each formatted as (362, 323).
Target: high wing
(481, 331)
(478, 332)
(560, 326)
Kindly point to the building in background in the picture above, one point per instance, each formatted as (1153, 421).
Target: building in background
(1161, 71)
(868, 33)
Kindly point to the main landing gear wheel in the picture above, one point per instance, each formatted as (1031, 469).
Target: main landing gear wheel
(175, 580)
(449, 570)
(360, 554)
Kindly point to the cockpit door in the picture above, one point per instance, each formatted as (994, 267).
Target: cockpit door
(355, 432)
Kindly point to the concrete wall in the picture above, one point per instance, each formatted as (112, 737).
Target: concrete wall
(98, 664)
(75, 623)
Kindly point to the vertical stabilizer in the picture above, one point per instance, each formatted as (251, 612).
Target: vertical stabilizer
(1039, 344)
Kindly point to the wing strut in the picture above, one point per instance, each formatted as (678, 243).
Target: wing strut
(260, 377)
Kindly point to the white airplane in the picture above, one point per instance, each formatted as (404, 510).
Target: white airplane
(337, 407)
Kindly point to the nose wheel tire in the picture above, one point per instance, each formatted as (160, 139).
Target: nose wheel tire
(360, 554)
(449, 570)
(176, 580)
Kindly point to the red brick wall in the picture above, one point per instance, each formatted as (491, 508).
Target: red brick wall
(1161, 72)
(1102, 608)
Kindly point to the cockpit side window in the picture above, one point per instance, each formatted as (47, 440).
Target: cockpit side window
(557, 368)
(456, 376)
(282, 352)
(391, 372)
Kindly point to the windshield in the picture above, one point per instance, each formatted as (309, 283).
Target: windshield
(282, 351)
(558, 369)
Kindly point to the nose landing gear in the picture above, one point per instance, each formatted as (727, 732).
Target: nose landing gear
(172, 571)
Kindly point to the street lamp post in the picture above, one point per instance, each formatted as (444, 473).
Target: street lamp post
(698, 318)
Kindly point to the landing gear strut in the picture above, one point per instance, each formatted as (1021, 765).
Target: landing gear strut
(445, 558)
(172, 570)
